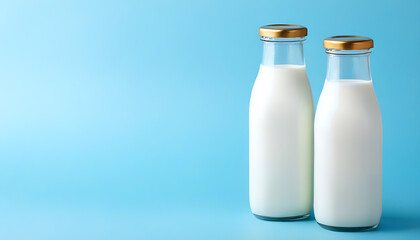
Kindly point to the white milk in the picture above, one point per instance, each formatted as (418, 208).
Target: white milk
(348, 155)
(281, 142)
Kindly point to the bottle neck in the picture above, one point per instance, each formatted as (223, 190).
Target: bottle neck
(348, 64)
(282, 51)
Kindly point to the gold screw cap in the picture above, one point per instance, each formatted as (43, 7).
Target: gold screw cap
(283, 31)
(348, 42)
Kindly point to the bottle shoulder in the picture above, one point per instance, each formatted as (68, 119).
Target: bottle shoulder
(348, 101)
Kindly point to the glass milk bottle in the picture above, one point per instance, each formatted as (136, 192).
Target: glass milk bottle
(281, 128)
(348, 140)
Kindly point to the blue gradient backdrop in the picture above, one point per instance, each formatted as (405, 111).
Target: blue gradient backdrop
(129, 119)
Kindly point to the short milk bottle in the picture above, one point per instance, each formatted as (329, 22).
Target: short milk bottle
(348, 140)
(281, 118)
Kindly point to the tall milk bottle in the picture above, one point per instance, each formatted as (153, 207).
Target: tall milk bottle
(348, 140)
(281, 117)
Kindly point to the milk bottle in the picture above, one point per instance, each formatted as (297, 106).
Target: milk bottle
(348, 140)
(281, 128)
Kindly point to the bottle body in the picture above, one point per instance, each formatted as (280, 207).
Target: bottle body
(348, 147)
(281, 138)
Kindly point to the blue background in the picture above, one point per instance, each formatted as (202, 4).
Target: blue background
(129, 119)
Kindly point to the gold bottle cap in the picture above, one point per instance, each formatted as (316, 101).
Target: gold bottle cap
(348, 42)
(283, 31)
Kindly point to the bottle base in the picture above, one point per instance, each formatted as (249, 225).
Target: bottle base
(347, 229)
(282, 219)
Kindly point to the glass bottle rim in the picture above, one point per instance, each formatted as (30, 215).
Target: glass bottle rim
(348, 52)
(285, 40)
